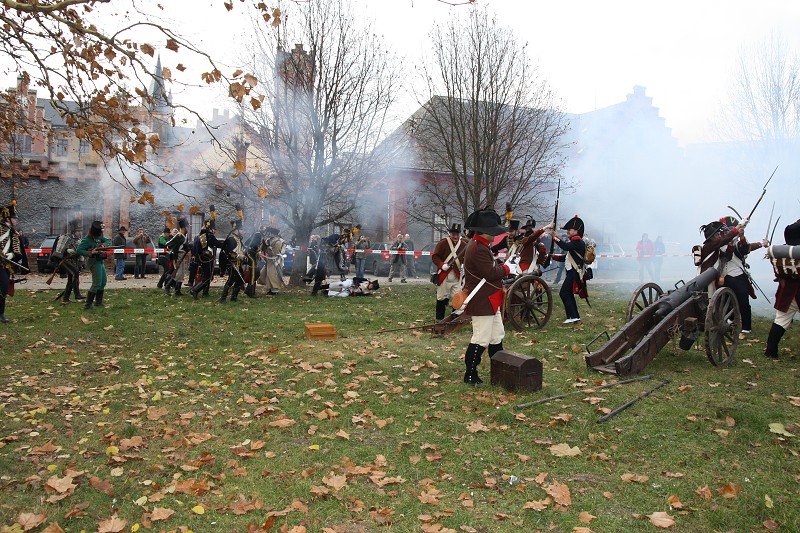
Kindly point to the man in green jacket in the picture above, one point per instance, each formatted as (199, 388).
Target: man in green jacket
(95, 262)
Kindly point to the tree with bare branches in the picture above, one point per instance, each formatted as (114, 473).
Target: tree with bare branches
(326, 113)
(489, 130)
(95, 69)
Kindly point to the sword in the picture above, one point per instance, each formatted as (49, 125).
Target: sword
(774, 228)
(769, 222)
(22, 268)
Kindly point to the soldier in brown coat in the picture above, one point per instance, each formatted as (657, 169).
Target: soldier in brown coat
(448, 256)
(483, 280)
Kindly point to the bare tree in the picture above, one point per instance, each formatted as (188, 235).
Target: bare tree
(326, 114)
(488, 131)
(96, 72)
(764, 101)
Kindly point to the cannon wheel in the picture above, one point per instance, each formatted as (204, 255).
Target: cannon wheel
(722, 328)
(641, 298)
(529, 303)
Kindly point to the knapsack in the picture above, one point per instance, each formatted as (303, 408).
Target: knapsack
(60, 247)
(591, 253)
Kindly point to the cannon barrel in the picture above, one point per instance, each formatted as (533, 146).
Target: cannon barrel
(783, 251)
(666, 304)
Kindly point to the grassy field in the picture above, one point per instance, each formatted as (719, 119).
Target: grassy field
(172, 415)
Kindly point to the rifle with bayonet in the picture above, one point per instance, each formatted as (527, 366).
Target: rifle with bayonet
(763, 192)
(555, 217)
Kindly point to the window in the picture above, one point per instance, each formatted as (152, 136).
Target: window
(20, 143)
(62, 218)
(440, 227)
(85, 148)
(195, 225)
(62, 147)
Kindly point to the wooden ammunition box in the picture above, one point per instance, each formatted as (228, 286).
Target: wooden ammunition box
(320, 331)
(514, 371)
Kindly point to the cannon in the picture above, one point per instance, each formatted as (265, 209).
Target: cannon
(655, 318)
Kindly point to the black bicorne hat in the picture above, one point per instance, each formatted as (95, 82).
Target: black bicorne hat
(210, 224)
(711, 228)
(485, 221)
(529, 224)
(455, 228)
(792, 234)
(730, 221)
(575, 223)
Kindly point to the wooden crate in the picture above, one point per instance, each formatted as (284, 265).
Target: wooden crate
(320, 330)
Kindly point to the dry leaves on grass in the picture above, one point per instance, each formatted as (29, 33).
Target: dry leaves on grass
(29, 521)
(634, 478)
(559, 492)
(661, 519)
(731, 490)
(564, 450)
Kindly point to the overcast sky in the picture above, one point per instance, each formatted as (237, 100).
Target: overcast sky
(591, 51)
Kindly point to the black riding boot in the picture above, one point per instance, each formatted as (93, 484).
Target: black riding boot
(98, 299)
(235, 294)
(178, 288)
(3, 318)
(775, 335)
(76, 292)
(224, 298)
(195, 290)
(472, 358)
(494, 348)
(441, 308)
(168, 286)
(89, 300)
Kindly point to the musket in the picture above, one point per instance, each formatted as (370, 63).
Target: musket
(55, 270)
(440, 324)
(763, 192)
(5, 260)
(555, 216)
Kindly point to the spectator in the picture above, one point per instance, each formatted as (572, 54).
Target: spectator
(645, 251)
(399, 260)
(140, 241)
(361, 256)
(119, 242)
(410, 259)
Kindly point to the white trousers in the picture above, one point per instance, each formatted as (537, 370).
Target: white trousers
(488, 330)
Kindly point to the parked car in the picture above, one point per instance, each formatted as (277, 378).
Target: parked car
(150, 265)
(43, 258)
(424, 263)
(617, 261)
(379, 264)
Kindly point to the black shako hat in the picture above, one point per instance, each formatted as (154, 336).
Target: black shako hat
(236, 224)
(455, 228)
(792, 234)
(182, 223)
(513, 224)
(574, 223)
(485, 221)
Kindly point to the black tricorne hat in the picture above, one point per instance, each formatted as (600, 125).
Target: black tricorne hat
(485, 221)
(792, 233)
(455, 228)
(574, 223)
(729, 221)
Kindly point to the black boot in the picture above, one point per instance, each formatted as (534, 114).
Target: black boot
(76, 292)
(494, 348)
(89, 300)
(441, 307)
(178, 288)
(98, 299)
(195, 290)
(168, 286)
(235, 294)
(775, 335)
(472, 358)
(160, 283)
(3, 319)
(224, 298)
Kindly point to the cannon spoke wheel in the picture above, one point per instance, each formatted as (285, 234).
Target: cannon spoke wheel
(722, 327)
(643, 297)
(529, 303)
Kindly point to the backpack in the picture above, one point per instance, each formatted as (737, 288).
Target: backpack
(60, 247)
(591, 253)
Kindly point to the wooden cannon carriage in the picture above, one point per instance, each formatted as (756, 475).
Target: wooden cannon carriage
(655, 318)
(528, 303)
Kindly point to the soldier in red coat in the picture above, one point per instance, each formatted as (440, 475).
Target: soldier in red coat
(448, 256)
(483, 281)
(787, 299)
